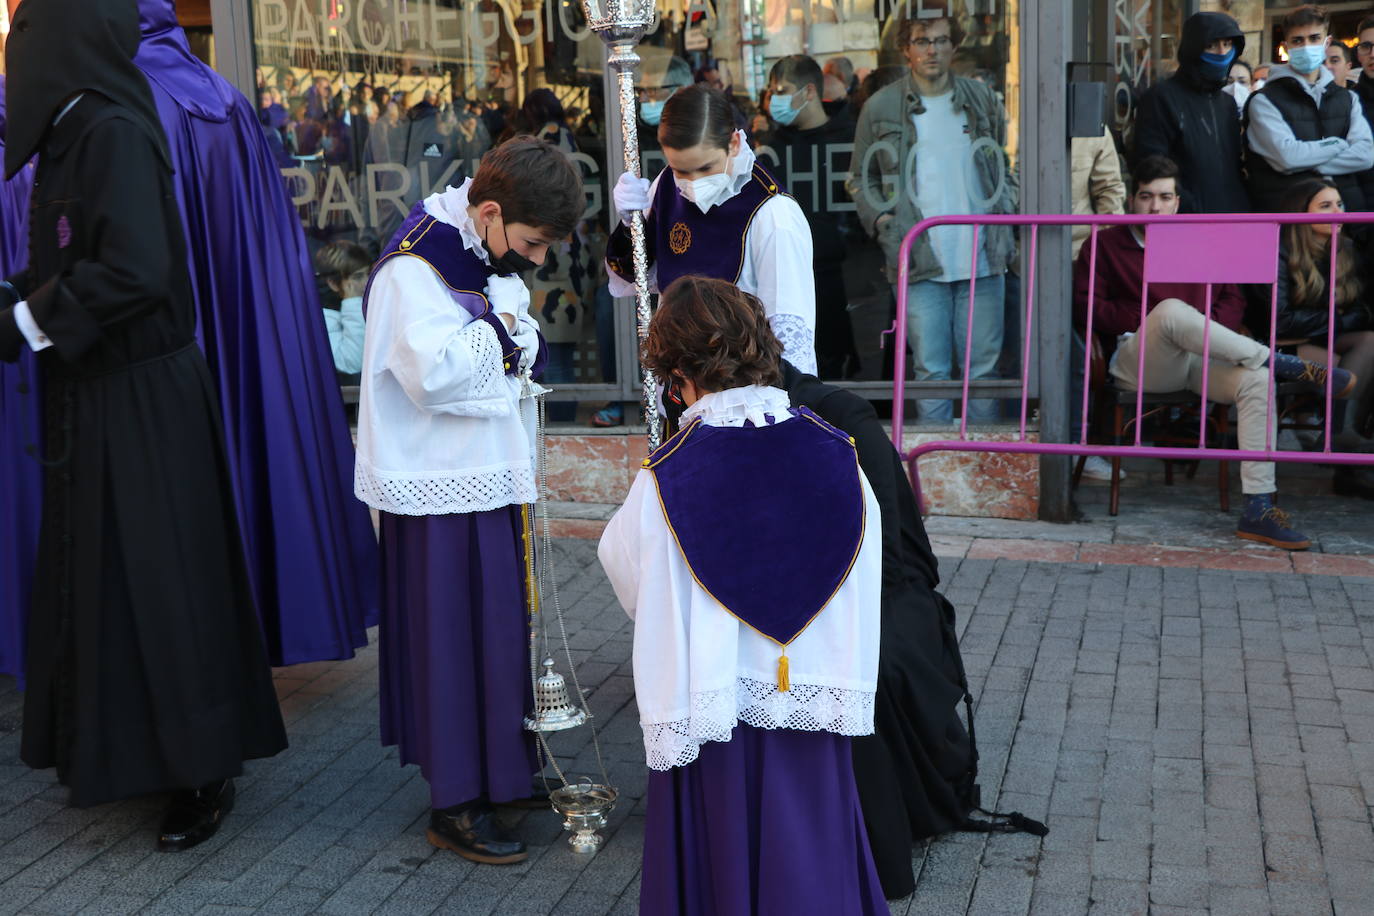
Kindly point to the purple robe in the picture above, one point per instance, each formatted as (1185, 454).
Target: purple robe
(312, 554)
(21, 477)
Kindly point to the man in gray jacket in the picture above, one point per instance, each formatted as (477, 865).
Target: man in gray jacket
(931, 144)
(1303, 124)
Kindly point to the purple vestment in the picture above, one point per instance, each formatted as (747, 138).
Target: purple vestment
(21, 478)
(454, 647)
(708, 473)
(767, 822)
(465, 274)
(682, 240)
(312, 555)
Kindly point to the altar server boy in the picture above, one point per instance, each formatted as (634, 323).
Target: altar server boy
(749, 554)
(446, 453)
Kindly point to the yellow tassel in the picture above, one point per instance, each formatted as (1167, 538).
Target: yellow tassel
(784, 684)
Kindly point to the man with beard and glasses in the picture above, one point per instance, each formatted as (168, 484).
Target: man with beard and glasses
(146, 666)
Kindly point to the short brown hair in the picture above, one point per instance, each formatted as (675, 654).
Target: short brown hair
(1309, 14)
(1154, 168)
(714, 335)
(534, 182)
(922, 18)
(1365, 24)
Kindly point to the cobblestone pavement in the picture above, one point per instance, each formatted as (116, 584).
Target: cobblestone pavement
(1197, 740)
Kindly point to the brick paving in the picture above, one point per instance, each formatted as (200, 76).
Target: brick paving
(1198, 740)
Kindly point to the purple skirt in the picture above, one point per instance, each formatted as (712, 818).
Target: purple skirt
(767, 822)
(454, 653)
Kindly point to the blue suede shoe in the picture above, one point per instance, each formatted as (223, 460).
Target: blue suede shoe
(1292, 369)
(1264, 522)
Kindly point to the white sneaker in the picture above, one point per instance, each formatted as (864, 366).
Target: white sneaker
(1099, 468)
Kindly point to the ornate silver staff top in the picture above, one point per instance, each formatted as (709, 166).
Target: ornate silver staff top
(621, 24)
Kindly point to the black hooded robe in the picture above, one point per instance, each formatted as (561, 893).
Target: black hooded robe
(1189, 119)
(916, 773)
(146, 665)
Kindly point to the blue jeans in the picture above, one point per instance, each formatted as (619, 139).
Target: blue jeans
(937, 322)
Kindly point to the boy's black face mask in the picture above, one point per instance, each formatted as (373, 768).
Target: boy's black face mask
(512, 262)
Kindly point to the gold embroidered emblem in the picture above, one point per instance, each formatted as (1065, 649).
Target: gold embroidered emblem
(679, 238)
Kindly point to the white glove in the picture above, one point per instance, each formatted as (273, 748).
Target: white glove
(508, 296)
(630, 193)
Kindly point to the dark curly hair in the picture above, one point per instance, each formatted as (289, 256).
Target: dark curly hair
(713, 334)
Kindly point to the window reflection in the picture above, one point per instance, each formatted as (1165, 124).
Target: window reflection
(370, 105)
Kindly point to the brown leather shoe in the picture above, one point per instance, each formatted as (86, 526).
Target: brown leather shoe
(475, 833)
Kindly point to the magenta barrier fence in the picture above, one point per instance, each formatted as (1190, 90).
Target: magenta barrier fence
(1206, 249)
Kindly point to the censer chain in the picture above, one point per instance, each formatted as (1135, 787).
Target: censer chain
(546, 574)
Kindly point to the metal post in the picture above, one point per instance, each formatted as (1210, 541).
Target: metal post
(621, 24)
(624, 60)
(1046, 29)
(231, 24)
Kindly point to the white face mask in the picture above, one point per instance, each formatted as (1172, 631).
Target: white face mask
(705, 192)
(1238, 92)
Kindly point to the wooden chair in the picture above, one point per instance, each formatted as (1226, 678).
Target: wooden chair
(1113, 405)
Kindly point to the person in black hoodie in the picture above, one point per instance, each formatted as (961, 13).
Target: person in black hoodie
(1191, 121)
(812, 149)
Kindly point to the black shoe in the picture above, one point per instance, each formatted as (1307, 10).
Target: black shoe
(1348, 481)
(194, 815)
(475, 833)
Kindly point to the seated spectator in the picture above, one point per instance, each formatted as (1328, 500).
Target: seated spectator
(1173, 336)
(1188, 119)
(344, 266)
(1303, 124)
(1304, 312)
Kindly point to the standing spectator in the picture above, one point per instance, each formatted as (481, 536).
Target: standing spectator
(802, 140)
(1302, 124)
(544, 117)
(1188, 119)
(1239, 83)
(1340, 60)
(957, 130)
(1259, 77)
(1096, 179)
(842, 68)
(1174, 335)
(1364, 84)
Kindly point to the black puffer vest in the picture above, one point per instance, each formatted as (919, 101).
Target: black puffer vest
(1308, 122)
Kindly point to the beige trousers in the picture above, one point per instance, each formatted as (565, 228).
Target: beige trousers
(1173, 338)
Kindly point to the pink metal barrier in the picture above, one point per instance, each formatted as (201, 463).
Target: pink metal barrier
(1206, 249)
